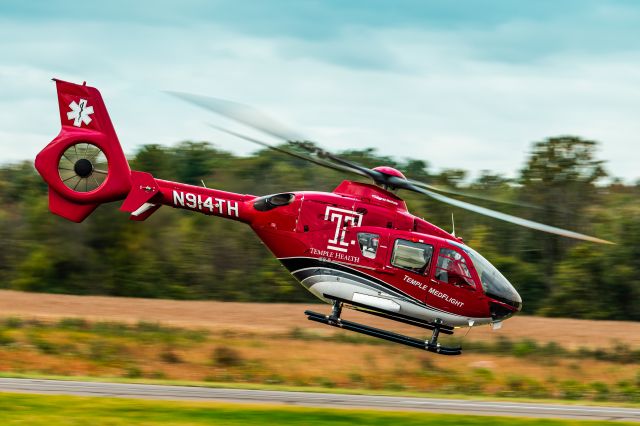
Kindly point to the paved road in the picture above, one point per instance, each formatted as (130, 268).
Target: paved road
(309, 399)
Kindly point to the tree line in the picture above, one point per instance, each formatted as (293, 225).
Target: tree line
(178, 254)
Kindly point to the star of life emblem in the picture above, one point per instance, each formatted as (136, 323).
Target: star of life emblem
(80, 113)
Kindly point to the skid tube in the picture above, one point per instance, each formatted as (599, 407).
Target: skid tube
(394, 316)
(430, 345)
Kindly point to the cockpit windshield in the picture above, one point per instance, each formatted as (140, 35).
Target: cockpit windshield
(495, 285)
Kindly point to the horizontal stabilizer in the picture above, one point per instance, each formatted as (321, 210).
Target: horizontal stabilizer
(143, 188)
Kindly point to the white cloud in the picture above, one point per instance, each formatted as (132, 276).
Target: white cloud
(423, 94)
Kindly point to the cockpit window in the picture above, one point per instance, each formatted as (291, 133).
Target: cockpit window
(495, 285)
(452, 268)
(412, 256)
(368, 244)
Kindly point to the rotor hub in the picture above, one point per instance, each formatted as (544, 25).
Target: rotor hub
(390, 171)
(83, 168)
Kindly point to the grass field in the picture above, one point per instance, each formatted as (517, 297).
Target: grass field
(301, 358)
(38, 410)
(248, 344)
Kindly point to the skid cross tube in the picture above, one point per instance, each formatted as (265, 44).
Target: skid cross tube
(336, 311)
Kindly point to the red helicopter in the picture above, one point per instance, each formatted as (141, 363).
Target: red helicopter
(356, 247)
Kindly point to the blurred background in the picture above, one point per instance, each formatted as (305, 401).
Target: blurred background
(181, 255)
(533, 103)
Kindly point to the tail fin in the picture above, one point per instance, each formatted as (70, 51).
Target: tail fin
(84, 165)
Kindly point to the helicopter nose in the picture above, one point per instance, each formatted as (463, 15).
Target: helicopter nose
(500, 311)
(505, 307)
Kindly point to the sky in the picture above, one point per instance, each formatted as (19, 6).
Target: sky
(459, 84)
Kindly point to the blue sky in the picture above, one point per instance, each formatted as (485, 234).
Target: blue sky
(467, 84)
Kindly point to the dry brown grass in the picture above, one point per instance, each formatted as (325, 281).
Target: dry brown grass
(280, 318)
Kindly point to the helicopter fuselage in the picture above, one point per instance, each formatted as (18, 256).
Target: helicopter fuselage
(358, 243)
(356, 246)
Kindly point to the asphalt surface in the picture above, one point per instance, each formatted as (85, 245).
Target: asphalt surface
(310, 399)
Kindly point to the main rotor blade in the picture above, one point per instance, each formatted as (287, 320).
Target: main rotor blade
(258, 120)
(365, 171)
(470, 195)
(253, 118)
(241, 113)
(288, 152)
(511, 219)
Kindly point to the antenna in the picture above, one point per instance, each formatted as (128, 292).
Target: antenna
(203, 183)
(453, 224)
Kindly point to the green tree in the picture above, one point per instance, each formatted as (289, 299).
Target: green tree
(560, 177)
(578, 289)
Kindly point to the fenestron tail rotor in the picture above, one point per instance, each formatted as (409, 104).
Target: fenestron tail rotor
(83, 167)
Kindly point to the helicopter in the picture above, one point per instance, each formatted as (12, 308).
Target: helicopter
(356, 247)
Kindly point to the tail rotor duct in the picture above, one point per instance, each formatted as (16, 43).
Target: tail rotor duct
(83, 167)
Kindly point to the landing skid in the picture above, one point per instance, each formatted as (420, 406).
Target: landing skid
(430, 345)
(394, 316)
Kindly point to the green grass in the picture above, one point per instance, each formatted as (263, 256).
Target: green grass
(39, 410)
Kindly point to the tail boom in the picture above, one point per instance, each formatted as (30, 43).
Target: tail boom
(148, 194)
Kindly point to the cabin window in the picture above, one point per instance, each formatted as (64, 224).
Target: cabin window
(452, 269)
(368, 244)
(412, 256)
